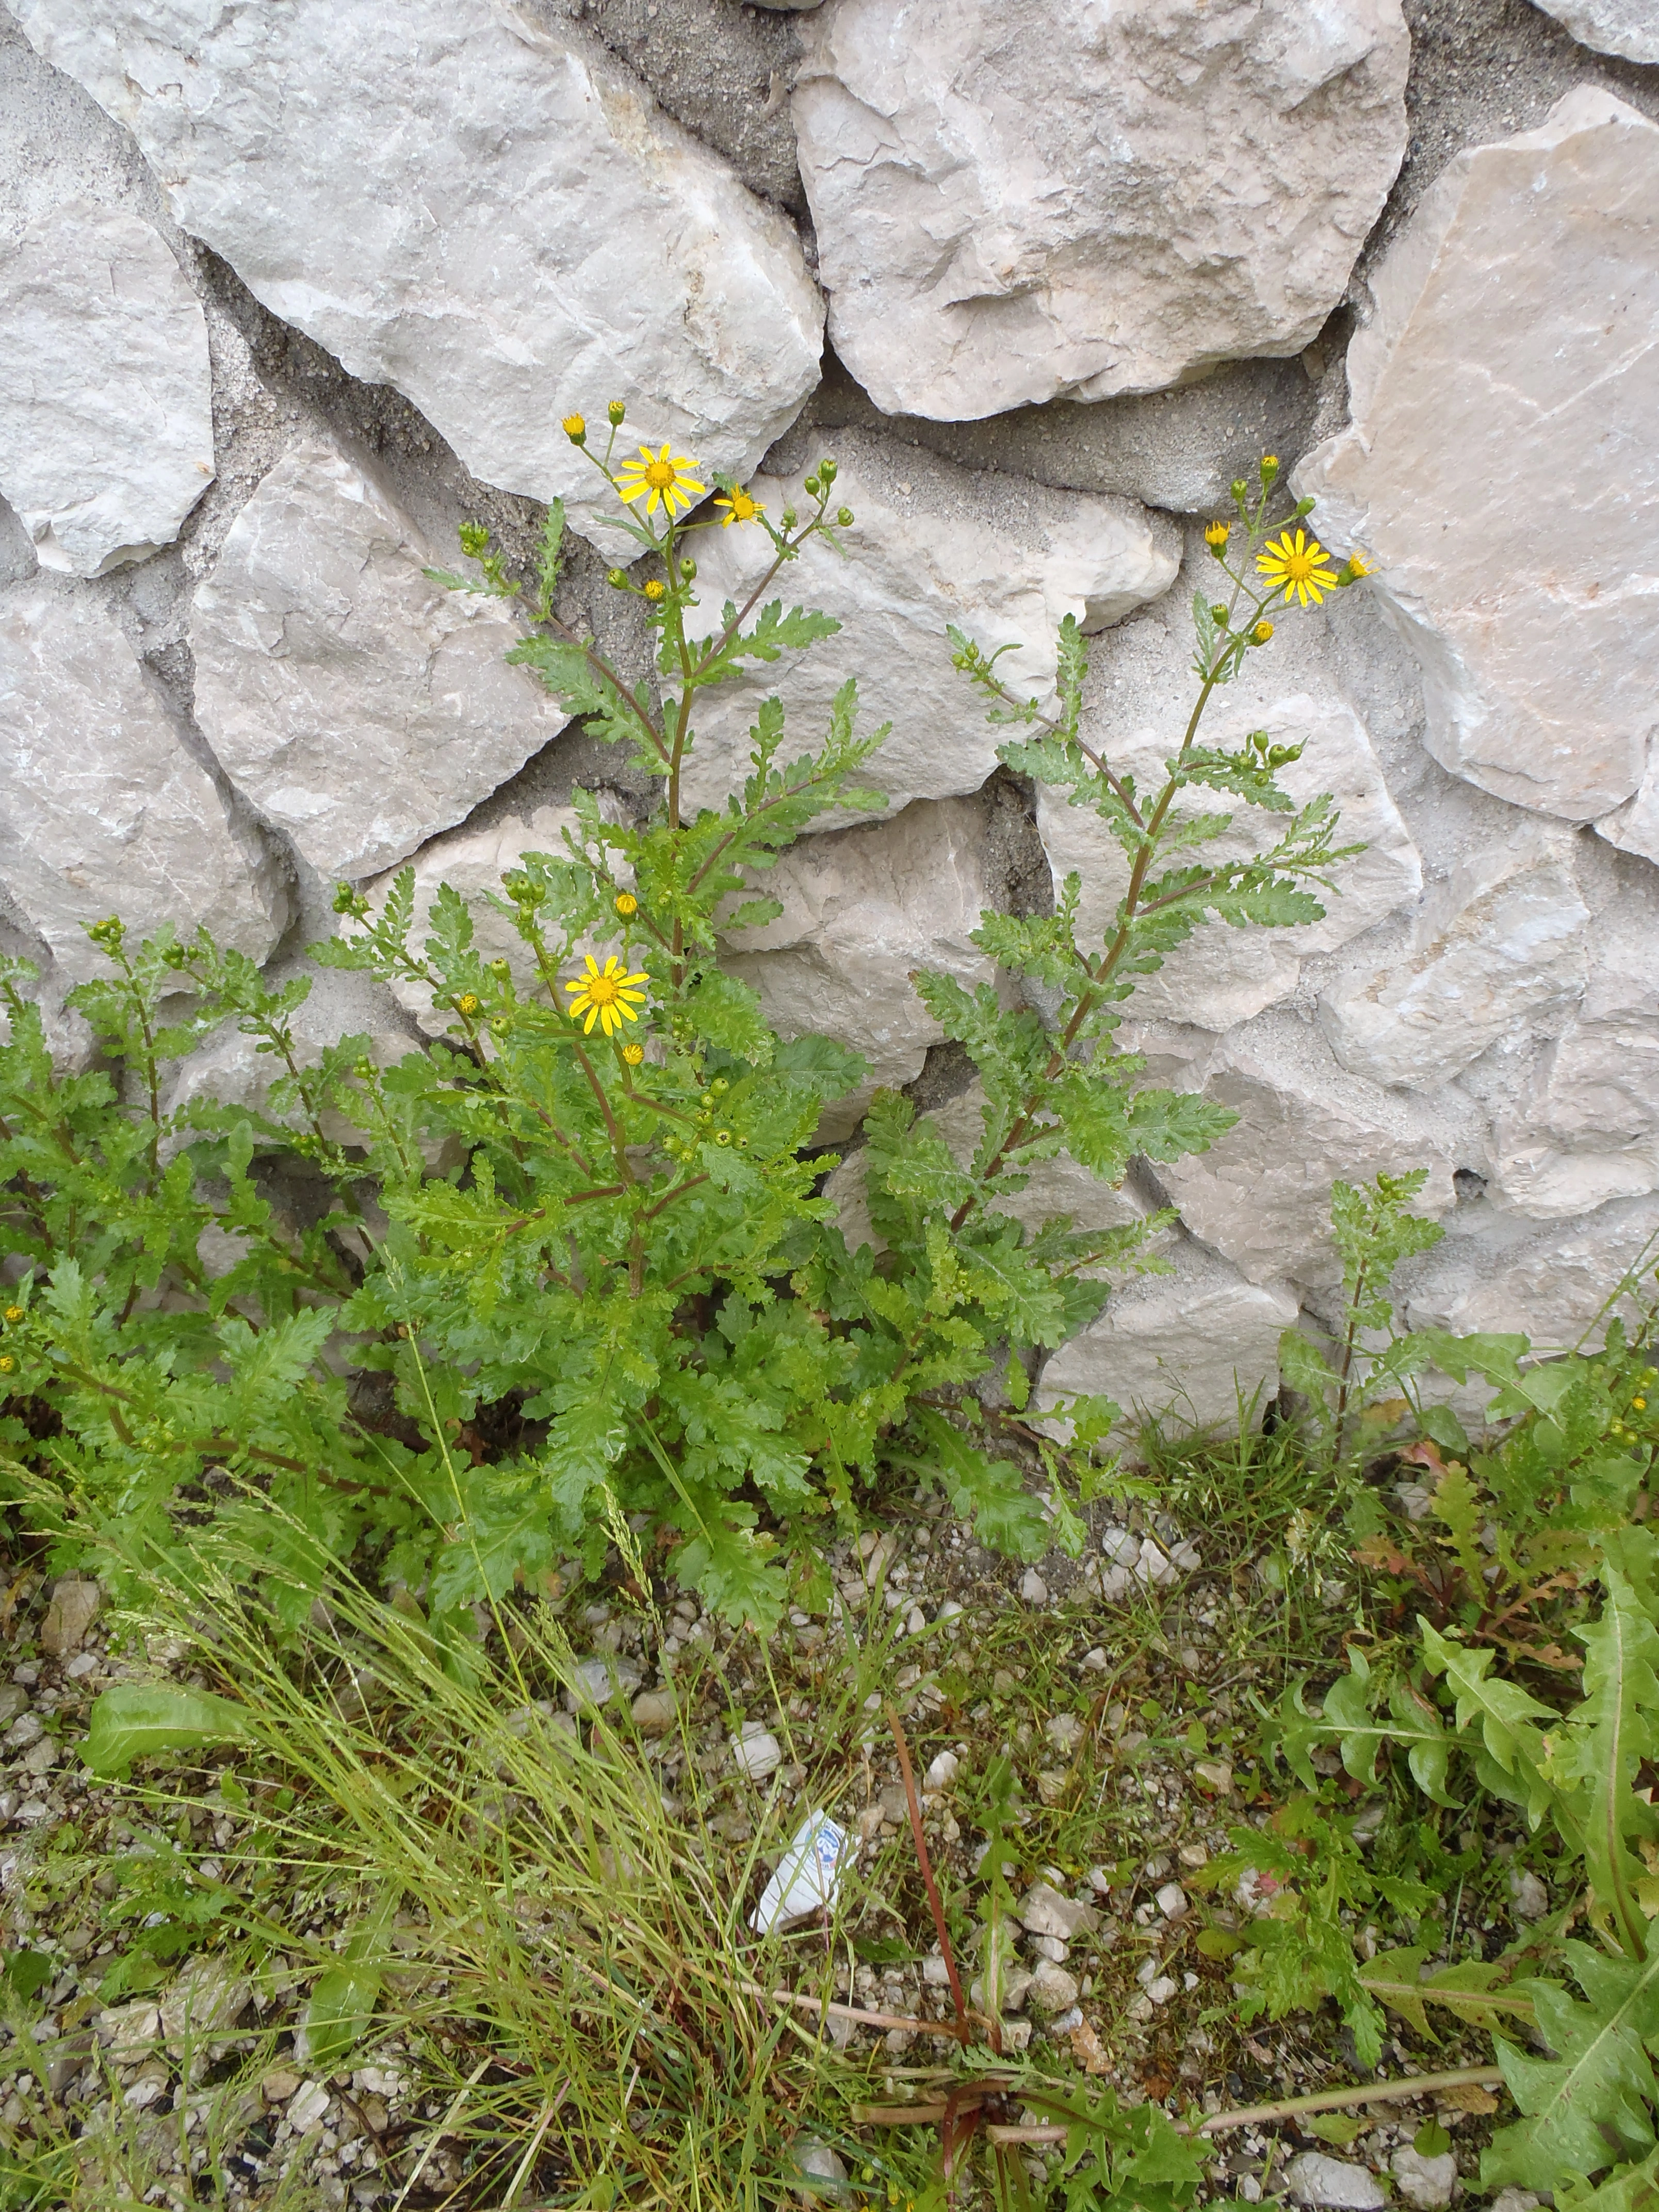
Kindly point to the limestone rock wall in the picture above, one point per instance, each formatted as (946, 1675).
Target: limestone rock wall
(285, 294)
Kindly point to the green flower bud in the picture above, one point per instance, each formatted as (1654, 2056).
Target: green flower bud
(826, 471)
(1240, 490)
(475, 539)
(788, 518)
(689, 569)
(844, 517)
(810, 487)
(617, 579)
(616, 411)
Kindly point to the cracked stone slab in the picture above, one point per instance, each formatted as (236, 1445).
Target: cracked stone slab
(1501, 469)
(1634, 827)
(1630, 28)
(1183, 1347)
(1499, 944)
(1017, 200)
(1586, 1131)
(460, 200)
(103, 810)
(360, 706)
(1262, 1194)
(106, 394)
(931, 545)
(860, 910)
(1552, 1284)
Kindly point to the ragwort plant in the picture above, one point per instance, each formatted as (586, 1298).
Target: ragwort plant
(626, 1299)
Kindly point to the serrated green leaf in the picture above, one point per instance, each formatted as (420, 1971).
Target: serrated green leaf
(1592, 2103)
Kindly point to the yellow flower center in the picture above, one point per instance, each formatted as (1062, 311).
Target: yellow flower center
(1300, 565)
(660, 474)
(604, 990)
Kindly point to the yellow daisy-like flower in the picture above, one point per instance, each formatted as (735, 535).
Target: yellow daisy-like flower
(7, 1363)
(656, 588)
(1261, 633)
(1299, 567)
(632, 1054)
(575, 429)
(1216, 535)
(657, 478)
(739, 508)
(467, 1003)
(606, 996)
(1358, 565)
(627, 904)
(17, 1314)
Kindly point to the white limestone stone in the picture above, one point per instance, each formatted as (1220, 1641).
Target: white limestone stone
(1634, 827)
(473, 861)
(1630, 28)
(102, 809)
(106, 399)
(1586, 1129)
(1262, 1194)
(360, 706)
(1498, 945)
(1184, 1347)
(1500, 466)
(1134, 716)
(458, 198)
(1552, 1285)
(862, 909)
(1017, 200)
(932, 545)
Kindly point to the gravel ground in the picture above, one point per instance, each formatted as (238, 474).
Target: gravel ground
(1117, 1688)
